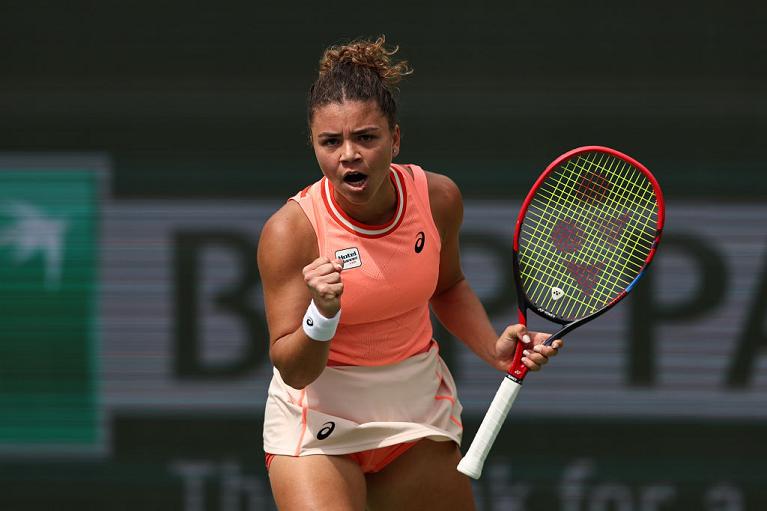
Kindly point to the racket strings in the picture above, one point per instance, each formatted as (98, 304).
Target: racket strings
(587, 234)
(598, 220)
(588, 272)
(581, 263)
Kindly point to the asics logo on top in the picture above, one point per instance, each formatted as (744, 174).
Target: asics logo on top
(420, 240)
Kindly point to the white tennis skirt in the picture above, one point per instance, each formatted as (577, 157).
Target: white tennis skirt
(354, 408)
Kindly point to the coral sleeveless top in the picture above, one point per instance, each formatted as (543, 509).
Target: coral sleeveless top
(389, 271)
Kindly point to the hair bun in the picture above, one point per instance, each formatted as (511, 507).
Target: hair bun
(369, 54)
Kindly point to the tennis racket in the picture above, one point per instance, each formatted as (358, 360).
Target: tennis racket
(586, 233)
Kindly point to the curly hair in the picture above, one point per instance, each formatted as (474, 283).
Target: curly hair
(358, 71)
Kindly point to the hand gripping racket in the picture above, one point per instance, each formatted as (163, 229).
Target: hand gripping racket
(585, 234)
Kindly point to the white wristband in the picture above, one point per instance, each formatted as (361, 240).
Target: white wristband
(317, 326)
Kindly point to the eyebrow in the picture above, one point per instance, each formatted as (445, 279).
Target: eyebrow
(360, 131)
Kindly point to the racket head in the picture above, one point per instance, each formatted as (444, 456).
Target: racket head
(586, 232)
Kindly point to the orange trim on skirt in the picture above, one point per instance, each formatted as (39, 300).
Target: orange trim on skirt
(370, 461)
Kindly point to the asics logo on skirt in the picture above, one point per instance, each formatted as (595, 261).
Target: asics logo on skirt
(326, 430)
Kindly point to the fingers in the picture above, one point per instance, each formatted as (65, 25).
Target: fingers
(534, 355)
(329, 292)
(323, 278)
(516, 332)
(507, 343)
(538, 356)
(323, 265)
(534, 359)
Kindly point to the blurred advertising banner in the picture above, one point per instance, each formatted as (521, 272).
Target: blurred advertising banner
(49, 253)
(183, 328)
(134, 330)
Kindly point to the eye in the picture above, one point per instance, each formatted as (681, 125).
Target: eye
(329, 142)
(367, 137)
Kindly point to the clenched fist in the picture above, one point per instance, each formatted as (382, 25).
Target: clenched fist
(323, 278)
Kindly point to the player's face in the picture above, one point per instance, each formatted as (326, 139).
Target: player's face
(354, 146)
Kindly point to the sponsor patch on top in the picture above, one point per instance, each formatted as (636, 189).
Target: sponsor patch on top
(350, 257)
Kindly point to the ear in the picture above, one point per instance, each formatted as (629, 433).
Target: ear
(395, 140)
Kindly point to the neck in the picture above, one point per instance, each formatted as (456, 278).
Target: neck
(379, 210)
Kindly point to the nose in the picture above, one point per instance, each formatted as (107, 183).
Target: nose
(349, 152)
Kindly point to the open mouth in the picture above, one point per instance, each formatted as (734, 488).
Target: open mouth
(355, 179)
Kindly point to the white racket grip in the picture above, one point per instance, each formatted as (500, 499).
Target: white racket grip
(472, 463)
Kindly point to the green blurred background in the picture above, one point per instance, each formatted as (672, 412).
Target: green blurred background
(143, 145)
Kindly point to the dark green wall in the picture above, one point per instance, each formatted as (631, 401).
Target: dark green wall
(194, 98)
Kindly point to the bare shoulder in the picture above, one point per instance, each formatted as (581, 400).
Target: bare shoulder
(286, 246)
(446, 202)
(287, 240)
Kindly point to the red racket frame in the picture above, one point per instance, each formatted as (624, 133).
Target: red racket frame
(517, 370)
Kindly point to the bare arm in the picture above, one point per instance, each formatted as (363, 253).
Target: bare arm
(456, 304)
(291, 274)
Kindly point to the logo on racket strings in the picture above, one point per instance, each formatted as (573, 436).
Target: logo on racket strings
(556, 293)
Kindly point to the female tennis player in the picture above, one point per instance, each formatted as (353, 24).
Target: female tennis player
(362, 412)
